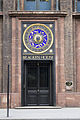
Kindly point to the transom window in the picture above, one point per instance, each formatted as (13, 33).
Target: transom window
(37, 4)
(78, 5)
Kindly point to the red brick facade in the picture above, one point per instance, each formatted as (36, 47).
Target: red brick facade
(67, 47)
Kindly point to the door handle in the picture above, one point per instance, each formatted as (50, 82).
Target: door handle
(24, 86)
(38, 90)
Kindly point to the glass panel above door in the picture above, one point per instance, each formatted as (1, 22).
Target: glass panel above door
(37, 4)
(29, 4)
(45, 4)
(78, 5)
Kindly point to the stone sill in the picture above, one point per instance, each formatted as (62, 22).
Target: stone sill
(69, 93)
(37, 13)
(1, 13)
(76, 14)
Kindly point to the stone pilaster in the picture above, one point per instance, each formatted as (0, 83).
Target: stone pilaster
(7, 34)
(68, 43)
(1, 60)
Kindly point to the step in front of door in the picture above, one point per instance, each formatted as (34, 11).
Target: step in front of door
(39, 107)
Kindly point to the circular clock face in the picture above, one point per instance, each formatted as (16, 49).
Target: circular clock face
(38, 38)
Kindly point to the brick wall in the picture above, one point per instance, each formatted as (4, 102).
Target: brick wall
(67, 54)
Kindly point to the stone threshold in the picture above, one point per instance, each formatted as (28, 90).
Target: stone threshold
(38, 107)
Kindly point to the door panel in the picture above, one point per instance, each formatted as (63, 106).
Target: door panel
(31, 77)
(44, 83)
(31, 84)
(37, 90)
(43, 77)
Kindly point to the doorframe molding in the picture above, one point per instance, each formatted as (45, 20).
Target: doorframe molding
(59, 55)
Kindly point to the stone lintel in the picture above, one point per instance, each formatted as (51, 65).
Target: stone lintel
(37, 13)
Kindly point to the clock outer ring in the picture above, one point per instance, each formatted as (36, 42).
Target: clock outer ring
(43, 50)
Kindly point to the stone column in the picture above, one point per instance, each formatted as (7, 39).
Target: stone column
(18, 4)
(57, 5)
(22, 4)
(75, 8)
(1, 51)
(37, 4)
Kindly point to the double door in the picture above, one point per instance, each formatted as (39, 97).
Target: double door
(38, 83)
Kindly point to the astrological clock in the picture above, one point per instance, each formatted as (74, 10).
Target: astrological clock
(38, 38)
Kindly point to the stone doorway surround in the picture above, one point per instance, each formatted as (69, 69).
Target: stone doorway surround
(17, 18)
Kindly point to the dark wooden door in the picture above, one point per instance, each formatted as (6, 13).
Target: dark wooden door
(38, 83)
